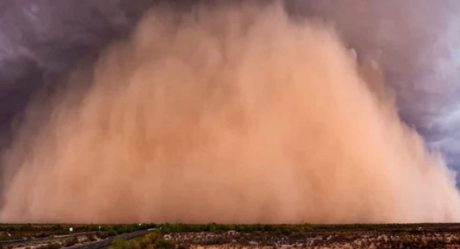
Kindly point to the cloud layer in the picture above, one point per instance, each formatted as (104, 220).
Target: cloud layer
(417, 44)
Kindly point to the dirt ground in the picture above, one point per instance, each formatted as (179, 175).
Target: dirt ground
(407, 237)
(216, 236)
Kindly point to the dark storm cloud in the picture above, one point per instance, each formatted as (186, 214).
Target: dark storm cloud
(41, 40)
(416, 42)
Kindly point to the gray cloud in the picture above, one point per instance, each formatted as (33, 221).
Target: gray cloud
(417, 44)
(42, 40)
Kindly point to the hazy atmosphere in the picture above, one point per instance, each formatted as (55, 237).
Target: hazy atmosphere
(239, 112)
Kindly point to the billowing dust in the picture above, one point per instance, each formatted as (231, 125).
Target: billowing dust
(230, 113)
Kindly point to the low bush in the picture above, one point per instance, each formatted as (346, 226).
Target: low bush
(120, 244)
(163, 244)
(153, 240)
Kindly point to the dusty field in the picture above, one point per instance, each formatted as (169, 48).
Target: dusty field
(354, 239)
(239, 236)
(348, 236)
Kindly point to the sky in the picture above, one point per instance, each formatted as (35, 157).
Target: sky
(415, 42)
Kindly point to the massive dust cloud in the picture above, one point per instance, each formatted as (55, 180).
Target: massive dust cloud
(228, 113)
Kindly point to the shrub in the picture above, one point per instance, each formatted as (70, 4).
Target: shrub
(162, 243)
(4, 236)
(134, 244)
(120, 244)
(152, 237)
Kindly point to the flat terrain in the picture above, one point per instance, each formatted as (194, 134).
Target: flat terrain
(140, 236)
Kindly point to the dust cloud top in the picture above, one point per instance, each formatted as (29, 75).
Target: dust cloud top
(230, 113)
